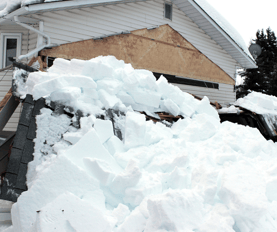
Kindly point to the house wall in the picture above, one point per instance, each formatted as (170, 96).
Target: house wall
(86, 23)
(29, 40)
(224, 95)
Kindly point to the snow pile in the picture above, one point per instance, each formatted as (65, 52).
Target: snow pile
(198, 175)
(80, 84)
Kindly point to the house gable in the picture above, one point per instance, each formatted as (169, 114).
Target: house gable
(161, 50)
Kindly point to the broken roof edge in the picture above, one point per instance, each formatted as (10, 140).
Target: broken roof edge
(245, 53)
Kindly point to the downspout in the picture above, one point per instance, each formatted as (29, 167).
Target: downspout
(35, 51)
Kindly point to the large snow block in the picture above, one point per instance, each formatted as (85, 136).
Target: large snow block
(90, 146)
(146, 97)
(135, 127)
(125, 98)
(163, 87)
(47, 87)
(57, 178)
(60, 66)
(204, 107)
(99, 169)
(104, 129)
(108, 100)
(171, 107)
(97, 69)
(70, 213)
(112, 86)
(114, 144)
(66, 95)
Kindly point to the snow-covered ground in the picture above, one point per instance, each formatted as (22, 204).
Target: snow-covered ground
(197, 175)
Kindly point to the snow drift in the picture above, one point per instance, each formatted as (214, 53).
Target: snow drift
(197, 175)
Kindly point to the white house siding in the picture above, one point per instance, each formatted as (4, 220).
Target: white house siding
(224, 95)
(6, 76)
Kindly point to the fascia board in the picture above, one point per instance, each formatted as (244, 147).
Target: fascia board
(230, 40)
(68, 4)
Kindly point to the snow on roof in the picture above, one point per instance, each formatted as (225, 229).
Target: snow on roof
(224, 24)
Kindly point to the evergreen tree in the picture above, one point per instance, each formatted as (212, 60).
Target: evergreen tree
(264, 78)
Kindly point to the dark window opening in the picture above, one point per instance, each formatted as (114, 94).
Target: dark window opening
(10, 50)
(187, 81)
(168, 11)
(50, 61)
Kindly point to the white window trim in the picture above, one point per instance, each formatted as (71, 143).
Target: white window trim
(4, 37)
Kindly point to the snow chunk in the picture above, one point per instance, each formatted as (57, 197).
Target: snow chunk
(100, 169)
(205, 107)
(70, 213)
(109, 101)
(86, 124)
(114, 144)
(172, 107)
(66, 95)
(60, 176)
(146, 97)
(104, 129)
(90, 146)
(135, 129)
(60, 66)
(128, 178)
(47, 87)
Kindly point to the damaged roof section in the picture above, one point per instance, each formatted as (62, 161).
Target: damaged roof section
(21, 153)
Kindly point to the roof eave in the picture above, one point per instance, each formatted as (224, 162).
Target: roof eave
(245, 61)
(10, 16)
(52, 6)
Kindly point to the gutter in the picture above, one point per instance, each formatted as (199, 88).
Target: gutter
(35, 51)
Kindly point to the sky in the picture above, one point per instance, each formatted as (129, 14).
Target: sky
(247, 16)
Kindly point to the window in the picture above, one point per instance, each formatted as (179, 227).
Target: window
(168, 11)
(10, 47)
(187, 81)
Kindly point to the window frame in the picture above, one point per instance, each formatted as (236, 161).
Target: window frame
(170, 4)
(4, 37)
